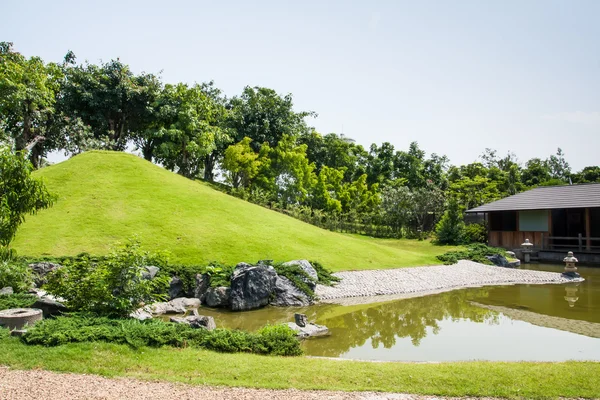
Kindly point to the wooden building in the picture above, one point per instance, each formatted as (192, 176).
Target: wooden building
(560, 218)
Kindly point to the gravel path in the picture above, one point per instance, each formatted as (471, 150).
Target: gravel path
(421, 280)
(45, 385)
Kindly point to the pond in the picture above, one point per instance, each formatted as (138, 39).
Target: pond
(505, 323)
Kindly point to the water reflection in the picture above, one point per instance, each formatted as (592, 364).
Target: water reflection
(571, 290)
(384, 324)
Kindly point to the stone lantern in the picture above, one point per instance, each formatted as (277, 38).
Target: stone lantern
(570, 268)
(526, 249)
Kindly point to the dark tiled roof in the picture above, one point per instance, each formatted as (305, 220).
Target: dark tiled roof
(547, 197)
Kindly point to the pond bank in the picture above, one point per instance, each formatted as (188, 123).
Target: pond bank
(361, 287)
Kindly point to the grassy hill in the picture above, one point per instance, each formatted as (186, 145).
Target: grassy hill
(105, 197)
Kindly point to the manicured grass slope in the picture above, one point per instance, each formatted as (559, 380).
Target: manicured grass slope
(105, 197)
(481, 379)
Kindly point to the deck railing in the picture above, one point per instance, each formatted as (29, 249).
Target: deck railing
(579, 243)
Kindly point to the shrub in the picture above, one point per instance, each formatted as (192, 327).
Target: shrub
(297, 276)
(450, 229)
(276, 340)
(476, 252)
(15, 274)
(326, 277)
(112, 286)
(475, 233)
(19, 300)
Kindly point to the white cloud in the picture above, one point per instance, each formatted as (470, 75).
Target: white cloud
(576, 117)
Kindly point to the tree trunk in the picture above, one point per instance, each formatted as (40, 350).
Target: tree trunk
(209, 166)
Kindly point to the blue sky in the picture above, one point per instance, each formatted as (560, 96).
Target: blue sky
(456, 76)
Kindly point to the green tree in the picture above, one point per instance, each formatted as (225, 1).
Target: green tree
(189, 129)
(558, 166)
(115, 103)
(451, 228)
(20, 193)
(536, 172)
(28, 92)
(265, 117)
(242, 164)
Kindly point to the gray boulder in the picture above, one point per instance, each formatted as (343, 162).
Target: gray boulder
(301, 320)
(202, 286)
(184, 302)
(251, 287)
(41, 270)
(498, 260)
(49, 307)
(218, 297)
(166, 308)
(150, 272)
(308, 269)
(196, 321)
(288, 295)
(141, 314)
(310, 330)
(6, 291)
(175, 287)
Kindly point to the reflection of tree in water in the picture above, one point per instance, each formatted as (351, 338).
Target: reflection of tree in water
(383, 324)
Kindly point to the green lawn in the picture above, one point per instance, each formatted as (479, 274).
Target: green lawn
(524, 380)
(105, 197)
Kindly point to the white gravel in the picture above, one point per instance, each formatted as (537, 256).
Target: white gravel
(423, 280)
(45, 385)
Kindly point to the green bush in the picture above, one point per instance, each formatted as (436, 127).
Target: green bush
(276, 340)
(451, 228)
(476, 252)
(326, 277)
(19, 300)
(297, 276)
(15, 274)
(476, 233)
(112, 286)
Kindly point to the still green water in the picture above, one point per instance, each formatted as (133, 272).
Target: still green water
(506, 323)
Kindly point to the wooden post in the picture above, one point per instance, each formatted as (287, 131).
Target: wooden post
(588, 242)
(580, 239)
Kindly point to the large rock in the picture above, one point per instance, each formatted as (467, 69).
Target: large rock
(175, 287)
(41, 270)
(218, 297)
(6, 291)
(142, 314)
(166, 308)
(251, 287)
(196, 321)
(202, 286)
(150, 272)
(309, 270)
(185, 302)
(310, 330)
(498, 260)
(49, 307)
(288, 295)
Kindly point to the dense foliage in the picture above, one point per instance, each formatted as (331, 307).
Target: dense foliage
(263, 148)
(18, 300)
(20, 193)
(15, 274)
(275, 340)
(475, 252)
(115, 285)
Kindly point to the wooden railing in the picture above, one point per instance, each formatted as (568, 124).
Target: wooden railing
(579, 243)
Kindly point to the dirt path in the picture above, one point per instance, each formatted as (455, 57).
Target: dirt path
(45, 385)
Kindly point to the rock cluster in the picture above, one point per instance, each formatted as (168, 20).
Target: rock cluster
(252, 286)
